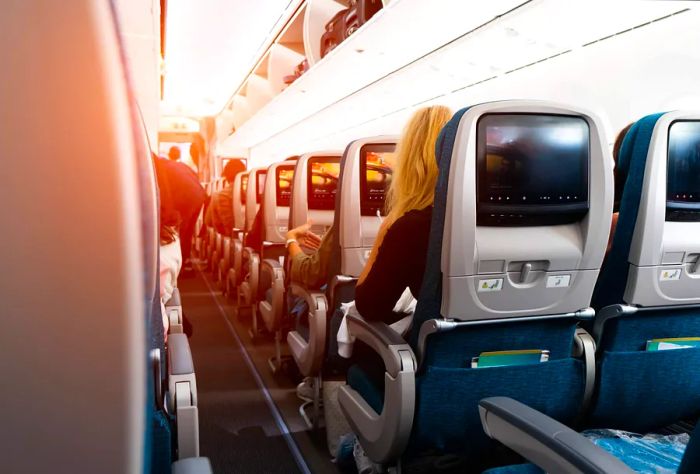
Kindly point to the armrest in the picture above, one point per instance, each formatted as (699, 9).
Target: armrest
(182, 395)
(383, 436)
(543, 440)
(394, 350)
(272, 277)
(173, 309)
(192, 466)
(309, 354)
(179, 355)
(174, 299)
(585, 348)
(254, 269)
(273, 267)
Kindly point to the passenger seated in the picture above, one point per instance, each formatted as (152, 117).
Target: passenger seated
(311, 269)
(170, 255)
(397, 259)
(220, 210)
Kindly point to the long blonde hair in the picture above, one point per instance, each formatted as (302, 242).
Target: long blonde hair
(415, 170)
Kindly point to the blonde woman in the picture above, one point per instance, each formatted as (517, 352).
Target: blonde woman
(397, 260)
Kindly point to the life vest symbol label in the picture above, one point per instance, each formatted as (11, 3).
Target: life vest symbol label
(668, 275)
(492, 284)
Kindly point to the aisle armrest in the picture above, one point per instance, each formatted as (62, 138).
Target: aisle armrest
(253, 274)
(544, 441)
(173, 308)
(182, 395)
(383, 436)
(192, 466)
(309, 354)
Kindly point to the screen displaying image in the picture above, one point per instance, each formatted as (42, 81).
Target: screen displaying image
(683, 171)
(260, 189)
(284, 177)
(376, 165)
(244, 188)
(532, 165)
(323, 173)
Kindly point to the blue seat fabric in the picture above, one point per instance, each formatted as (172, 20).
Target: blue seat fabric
(447, 388)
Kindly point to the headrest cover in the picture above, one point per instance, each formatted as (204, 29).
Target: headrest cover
(495, 271)
(657, 239)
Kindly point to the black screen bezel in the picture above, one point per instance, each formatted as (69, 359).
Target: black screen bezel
(317, 204)
(679, 211)
(370, 207)
(511, 215)
(283, 201)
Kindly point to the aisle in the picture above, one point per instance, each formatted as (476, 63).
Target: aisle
(237, 425)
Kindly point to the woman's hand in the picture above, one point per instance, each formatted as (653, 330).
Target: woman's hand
(304, 236)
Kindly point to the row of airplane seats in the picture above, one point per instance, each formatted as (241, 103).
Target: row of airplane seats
(516, 247)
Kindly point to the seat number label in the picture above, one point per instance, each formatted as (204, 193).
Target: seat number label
(493, 284)
(558, 281)
(668, 275)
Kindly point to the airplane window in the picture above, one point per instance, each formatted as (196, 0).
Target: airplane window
(284, 177)
(262, 175)
(323, 173)
(376, 164)
(244, 188)
(683, 173)
(531, 169)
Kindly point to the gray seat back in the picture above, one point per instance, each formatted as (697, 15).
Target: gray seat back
(74, 304)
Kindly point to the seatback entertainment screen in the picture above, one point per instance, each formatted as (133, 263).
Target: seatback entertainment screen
(244, 188)
(683, 172)
(283, 177)
(322, 185)
(376, 168)
(532, 169)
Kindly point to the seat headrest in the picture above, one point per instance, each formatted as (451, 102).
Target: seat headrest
(656, 244)
(365, 174)
(276, 200)
(507, 240)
